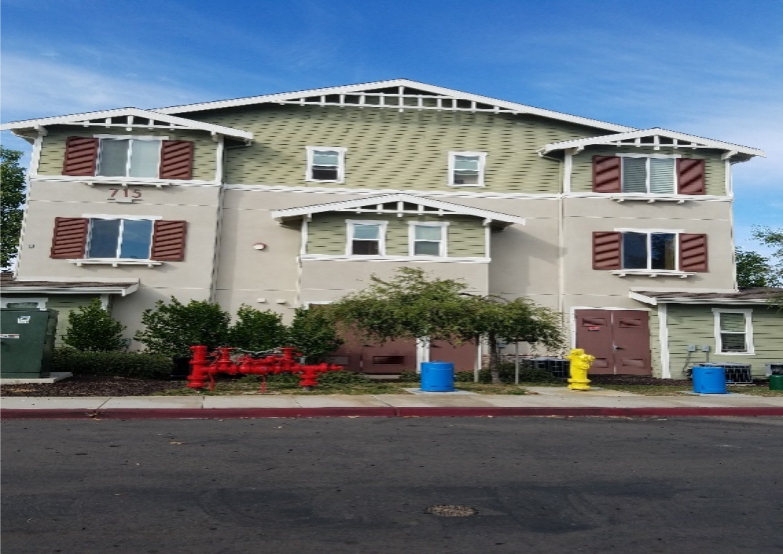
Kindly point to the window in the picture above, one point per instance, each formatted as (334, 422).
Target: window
(466, 169)
(126, 157)
(733, 331)
(651, 251)
(366, 238)
(427, 239)
(649, 175)
(325, 164)
(127, 239)
(23, 303)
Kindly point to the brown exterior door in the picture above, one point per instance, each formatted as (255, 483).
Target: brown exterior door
(392, 358)
(619, 340)
(462, 356)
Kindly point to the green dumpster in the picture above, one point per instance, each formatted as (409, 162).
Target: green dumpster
(26, 342)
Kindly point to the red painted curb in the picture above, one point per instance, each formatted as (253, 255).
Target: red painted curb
(252, 413)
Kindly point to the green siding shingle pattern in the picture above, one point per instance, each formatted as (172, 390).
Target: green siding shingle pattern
(53, 147)
(327, 234)
(392, 149)
(695, 325)
(714, 167)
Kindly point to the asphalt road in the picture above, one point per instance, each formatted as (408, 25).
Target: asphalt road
(540, 485)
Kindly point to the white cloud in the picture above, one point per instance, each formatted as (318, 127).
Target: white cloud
(39, 87)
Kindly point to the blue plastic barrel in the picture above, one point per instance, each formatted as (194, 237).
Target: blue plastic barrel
(709, 380)
(437, 377)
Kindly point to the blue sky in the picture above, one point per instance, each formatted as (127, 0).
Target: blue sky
(712, 68)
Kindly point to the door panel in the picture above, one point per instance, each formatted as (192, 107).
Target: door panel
(619, 340)
(394, 357)
(594, 335)
(631, 336)
(463, 356)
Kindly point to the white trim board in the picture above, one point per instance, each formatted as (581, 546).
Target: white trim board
(448, 207)
(374, 85)
(694, 142)
(132, 112)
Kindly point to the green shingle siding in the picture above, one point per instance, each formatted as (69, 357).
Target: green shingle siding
(582, 172)
(392, 149)
(696, 324)
(53, 147)
(326, 234)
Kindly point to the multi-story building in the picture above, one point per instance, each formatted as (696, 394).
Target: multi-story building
(291, 199)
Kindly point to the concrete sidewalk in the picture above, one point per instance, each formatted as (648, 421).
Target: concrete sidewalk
(541, 402)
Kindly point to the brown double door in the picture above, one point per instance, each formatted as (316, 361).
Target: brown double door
(619, 340)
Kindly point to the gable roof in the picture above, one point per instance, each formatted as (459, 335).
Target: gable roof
(374, 204)
(761, 295)
(679, 140)
(498, 105)
(129, 113)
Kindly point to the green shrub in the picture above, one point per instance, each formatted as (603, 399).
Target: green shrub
(112, 364)
(409, 377)
(256, 330)
(171, 329)
(91, 328)
(506, 370)
(313, 334)
(342, 377)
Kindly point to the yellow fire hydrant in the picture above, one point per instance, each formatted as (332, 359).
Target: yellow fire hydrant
(580, 365)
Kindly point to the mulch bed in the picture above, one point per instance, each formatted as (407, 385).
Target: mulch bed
(85, 385)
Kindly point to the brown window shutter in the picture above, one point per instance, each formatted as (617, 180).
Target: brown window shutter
(607, 250)
(81, 156)
(176, 159)
(168, 241)
(693, 252)
(690, 176)
(606, 174)
(70, 237)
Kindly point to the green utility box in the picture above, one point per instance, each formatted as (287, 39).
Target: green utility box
(26, 342)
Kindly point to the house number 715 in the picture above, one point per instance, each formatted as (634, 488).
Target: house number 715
(126, 193)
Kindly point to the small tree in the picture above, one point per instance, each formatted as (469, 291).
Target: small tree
(257, 330)
(413, 306)
(171, 329)
(774, 239)
(93, 329)
(754, 270)
(12, 196)
(313, 333)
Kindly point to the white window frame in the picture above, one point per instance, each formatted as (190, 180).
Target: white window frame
(750, 349)
(340, 163)
(39, 300)
(444, 237)
(648, 157)
(649, 233)
(351, 223)
(129, 155)
(119, 238)
(482, 156)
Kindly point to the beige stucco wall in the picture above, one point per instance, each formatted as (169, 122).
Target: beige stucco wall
(387, 149)
(53, 147)
(714, 167)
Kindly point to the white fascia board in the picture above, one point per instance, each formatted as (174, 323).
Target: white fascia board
(376, 200)
(607, 139)
(654, 301)
(347, 89)
(642, 298)
(146, 114)
(123, 291)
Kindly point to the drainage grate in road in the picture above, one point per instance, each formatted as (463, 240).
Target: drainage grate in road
(451, 510)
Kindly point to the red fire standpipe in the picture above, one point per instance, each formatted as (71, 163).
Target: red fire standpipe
(205, 366)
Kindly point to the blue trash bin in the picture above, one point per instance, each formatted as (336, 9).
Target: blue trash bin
(709, 379)
(437, 377)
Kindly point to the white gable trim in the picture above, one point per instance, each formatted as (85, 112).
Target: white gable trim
(357, 88)
(377, 201)
(172, 120)
(691, 141)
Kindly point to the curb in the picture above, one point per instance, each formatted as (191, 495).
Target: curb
(257, 413)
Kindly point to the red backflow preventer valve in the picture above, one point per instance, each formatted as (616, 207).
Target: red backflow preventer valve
(204, 366)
